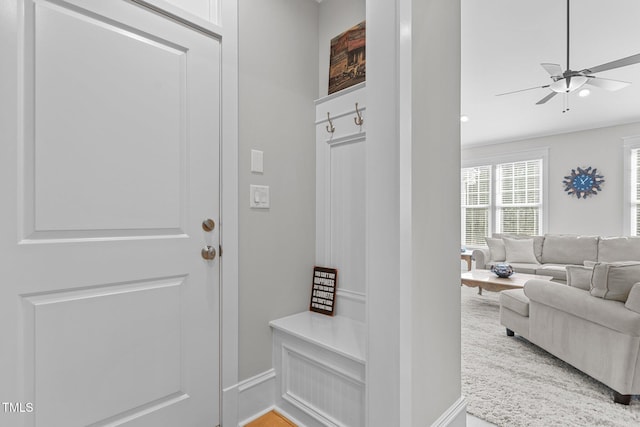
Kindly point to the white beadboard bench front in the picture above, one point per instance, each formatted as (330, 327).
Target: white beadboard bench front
(320, 368)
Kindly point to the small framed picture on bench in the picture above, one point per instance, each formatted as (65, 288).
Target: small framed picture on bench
(323, 290)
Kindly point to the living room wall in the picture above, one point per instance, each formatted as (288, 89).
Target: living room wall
(601, 148)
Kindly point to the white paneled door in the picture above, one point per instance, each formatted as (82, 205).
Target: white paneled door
(109, 164)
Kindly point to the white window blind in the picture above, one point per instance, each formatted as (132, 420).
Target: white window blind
(635, 191)
(504, 197)
(519, 197)
(476, 204)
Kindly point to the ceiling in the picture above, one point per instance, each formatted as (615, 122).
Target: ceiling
(503, 44)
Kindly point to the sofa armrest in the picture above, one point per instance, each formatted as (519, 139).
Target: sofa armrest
(579, 303)
(482, 256)
(633, 301)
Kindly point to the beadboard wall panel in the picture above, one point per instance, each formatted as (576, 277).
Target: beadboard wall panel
(340, 195)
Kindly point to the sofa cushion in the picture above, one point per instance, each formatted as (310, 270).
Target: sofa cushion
(496, 249)
(522, 267)
(613, 281)
(633, 301)
(515, 300)
(611, 249)
(579, 303)
(569, 249)
(519, 250)
(554, 270)
(538, 241)
(579, 276)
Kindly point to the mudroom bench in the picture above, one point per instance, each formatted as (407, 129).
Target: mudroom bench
(320, 368)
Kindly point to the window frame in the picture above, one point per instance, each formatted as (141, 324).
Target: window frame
(489, 207)
(493, 161)
(630, 144)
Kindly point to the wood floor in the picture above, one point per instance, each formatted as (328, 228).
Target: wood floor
(271, 419)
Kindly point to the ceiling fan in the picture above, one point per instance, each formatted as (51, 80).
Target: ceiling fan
(569, 80)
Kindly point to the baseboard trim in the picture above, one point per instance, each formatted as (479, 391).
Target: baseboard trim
(455, 416)
(252, 397)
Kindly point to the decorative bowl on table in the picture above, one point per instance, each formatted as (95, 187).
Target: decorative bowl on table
(502, 270)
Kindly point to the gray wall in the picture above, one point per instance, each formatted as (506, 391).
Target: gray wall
(278, 75)
(336, 16)
(601, 148)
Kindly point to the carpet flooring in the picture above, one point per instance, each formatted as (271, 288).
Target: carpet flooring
(511, 382)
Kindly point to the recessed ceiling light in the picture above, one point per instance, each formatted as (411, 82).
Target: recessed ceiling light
(464, 119)
(584, 92)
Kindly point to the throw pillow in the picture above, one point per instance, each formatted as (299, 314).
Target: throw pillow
(613, 281)
(496, 249)
(538, 242)
(633, 302)
(579, 276)
(519, 251)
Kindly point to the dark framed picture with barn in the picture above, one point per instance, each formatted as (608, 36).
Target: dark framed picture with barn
(323, 290)
(348, 62)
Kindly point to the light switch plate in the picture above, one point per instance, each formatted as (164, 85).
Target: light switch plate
(259, 196)
(257, 161)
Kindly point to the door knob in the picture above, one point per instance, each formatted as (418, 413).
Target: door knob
(208, 253)
(208, 225)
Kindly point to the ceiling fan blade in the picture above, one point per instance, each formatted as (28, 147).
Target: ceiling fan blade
(523, 90)
(546, 98)
(607, 84)
(554, 70)
(623, 62)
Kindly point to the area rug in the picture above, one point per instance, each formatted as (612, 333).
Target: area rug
(511, 382)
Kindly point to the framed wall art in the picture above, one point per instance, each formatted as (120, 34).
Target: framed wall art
(348, 61)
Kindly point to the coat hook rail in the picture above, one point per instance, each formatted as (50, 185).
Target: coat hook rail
(359, 120)
(330, 127)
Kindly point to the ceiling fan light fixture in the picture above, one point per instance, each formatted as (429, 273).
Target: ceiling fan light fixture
(575, 83)
(584, 92)
(571, 80)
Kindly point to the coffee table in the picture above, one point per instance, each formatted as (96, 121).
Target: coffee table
(485, 279)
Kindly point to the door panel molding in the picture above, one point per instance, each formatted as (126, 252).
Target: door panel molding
(58, 205)
(118, 315)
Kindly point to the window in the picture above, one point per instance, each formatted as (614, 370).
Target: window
(634, 178)
(505, 197)
(518, 197)
(476, 204)
(631, 211)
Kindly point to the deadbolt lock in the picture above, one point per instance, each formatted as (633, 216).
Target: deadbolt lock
(208, 225)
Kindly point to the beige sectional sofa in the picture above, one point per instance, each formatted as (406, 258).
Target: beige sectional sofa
(549, 255)
(592, 322)
(589, 315)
